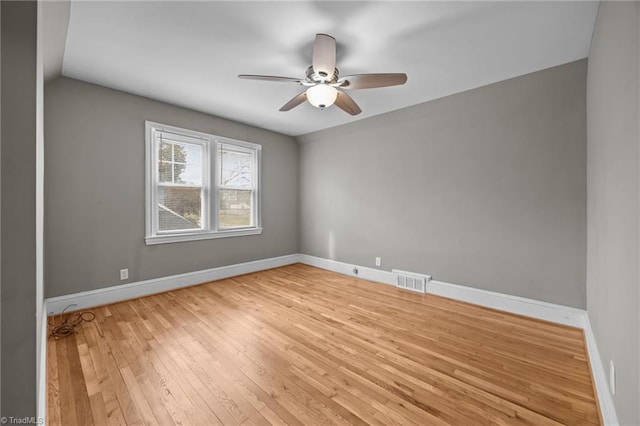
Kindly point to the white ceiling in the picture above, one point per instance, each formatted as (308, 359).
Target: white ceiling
(189, 53)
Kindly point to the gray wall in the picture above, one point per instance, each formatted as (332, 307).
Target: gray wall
(94, 191)
(18, 238)
(485, 188)
(613, 112)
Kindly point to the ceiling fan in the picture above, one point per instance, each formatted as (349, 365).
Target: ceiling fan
(325, 86)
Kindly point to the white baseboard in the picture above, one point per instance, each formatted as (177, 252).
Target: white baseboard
(41, 410)
(505, 302)
(103, 296)
(518, 305)
(607, 408)
(514, 304)
(364, 272)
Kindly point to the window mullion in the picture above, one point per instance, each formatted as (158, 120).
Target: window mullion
(206, 191)
(214, 184)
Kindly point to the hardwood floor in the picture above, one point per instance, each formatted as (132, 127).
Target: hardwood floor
(300, 345)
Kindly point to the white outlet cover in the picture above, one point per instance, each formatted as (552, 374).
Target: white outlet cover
(124, 274)
(378, 261)
(612, 377)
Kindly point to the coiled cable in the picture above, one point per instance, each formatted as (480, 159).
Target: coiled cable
(69, 324)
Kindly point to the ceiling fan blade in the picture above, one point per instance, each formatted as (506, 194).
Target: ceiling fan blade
(324, 55)
(270, 78)
(297, 100)
(370, 81)
(347, 104)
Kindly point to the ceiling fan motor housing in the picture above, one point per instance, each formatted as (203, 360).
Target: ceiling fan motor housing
(314, 77)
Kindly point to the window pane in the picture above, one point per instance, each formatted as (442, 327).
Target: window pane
(164, 172)
(180, 163)
(235, 208)
(179, 208)
(235, 169)
(191, 170)
(166, 153)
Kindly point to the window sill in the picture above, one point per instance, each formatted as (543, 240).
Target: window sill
(177, 238)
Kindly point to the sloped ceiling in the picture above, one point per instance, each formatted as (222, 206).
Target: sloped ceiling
(190, 53)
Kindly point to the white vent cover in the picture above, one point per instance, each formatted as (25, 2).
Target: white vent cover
(411, 281)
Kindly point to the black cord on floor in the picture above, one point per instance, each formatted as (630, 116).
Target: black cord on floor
(69, 324)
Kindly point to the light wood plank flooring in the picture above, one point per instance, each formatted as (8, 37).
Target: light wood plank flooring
(302, 346)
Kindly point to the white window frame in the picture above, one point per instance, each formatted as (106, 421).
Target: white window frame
(210, 198)
(240, 147)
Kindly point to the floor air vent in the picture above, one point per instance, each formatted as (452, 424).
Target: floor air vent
(411, 281)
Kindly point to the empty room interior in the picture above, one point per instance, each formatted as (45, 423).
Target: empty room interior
(320, 212)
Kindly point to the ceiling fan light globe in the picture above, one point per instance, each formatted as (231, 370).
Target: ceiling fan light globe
(322, 95)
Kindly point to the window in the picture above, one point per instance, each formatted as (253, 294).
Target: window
(200, 186)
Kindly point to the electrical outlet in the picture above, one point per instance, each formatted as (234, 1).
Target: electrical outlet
(378, 261)
(612, 377)
(124, 274)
